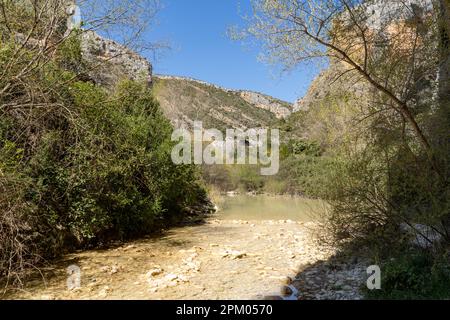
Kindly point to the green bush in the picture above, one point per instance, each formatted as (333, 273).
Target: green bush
(248, 178)
(302, 167)
(304, 174)
(303, 147)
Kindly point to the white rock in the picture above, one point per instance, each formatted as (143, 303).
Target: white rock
(171, 277)
(104, 292)
(114, 270)
(105, 269)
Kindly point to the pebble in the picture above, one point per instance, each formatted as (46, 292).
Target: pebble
(154, 272)
(114, 270)
(171, 277)
(104, 269)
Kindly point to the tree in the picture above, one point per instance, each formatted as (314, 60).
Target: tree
(383, 43)
(394, 171)
(444, 70)
(443, 116)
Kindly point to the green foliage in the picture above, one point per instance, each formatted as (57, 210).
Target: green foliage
(385, 153)
(276, 187)
(301, 170)
(305, 174)
(414, 274)
(301, 164)
(303, 147)
(248, 178)
(244, 178)
(69, 55)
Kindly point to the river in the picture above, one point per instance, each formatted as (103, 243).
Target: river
(248, 250)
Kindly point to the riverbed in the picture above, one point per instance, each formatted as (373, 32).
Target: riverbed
(251, 249)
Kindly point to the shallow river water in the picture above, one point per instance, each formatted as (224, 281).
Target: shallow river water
(263, 207)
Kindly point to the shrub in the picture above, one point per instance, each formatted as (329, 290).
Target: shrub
(414, 274)
(304, 174)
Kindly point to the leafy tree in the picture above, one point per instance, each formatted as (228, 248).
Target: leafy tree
(391, 159)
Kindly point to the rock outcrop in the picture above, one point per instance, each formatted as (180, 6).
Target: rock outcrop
(330, 81)
(110, 61)
(280, 109)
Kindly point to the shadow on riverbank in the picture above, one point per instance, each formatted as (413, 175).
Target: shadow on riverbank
(343, 276)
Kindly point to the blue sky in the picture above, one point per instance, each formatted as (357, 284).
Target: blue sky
(200, 48)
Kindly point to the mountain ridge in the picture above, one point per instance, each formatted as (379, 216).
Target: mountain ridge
(185, 100)
(167, 76)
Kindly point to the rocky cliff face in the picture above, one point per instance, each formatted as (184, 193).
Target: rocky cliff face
(380, 14)
(183, 100)
(280, 109)
(110, 61)
(329, 82)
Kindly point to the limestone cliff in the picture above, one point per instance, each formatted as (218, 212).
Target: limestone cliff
(110, 61)
(280, 109)
(381, 15)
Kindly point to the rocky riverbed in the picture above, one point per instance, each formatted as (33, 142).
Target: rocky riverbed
(220, 259)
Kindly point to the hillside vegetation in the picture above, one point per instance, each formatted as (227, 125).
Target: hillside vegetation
(85, 157)
(185, 101)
